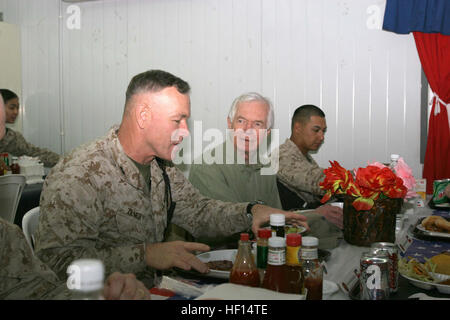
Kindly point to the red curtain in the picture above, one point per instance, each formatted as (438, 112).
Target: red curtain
(434, 53)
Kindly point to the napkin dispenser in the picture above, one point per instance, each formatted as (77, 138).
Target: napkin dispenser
(32, 169)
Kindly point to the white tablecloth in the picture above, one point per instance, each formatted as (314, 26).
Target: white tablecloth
(346, 257)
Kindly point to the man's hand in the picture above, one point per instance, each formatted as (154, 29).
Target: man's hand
(121, 286)
(261, 215)
(333, 214)
(166, 255)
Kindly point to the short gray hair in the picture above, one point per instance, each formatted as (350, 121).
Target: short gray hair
(252, 96)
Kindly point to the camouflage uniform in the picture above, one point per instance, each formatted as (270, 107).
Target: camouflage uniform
(13, 142)
(22, 275)
(96, 204)
(299, 173)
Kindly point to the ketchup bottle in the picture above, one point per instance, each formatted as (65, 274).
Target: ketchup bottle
(244, 269)
(275, 277)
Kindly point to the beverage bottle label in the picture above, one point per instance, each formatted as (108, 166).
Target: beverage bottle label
(277, 257)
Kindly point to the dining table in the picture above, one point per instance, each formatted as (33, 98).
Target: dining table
(342, 265)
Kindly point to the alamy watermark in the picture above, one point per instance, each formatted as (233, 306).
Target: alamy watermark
(234, 147)
(73, 21)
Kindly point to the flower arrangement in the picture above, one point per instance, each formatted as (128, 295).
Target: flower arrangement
(366, 185)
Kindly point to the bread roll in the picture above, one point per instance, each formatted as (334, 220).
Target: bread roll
(442, 262)
(436, 223)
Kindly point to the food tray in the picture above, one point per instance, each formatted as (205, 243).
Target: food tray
(442, 288)
(421, 233)
(440, 206)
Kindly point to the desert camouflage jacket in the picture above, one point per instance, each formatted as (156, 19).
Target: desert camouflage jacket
(22, 275)
(14, 143)
(300, 173)
(96, 204)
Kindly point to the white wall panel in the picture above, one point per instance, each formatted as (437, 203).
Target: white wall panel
(293, 51)
(11, 65)
(38, 21)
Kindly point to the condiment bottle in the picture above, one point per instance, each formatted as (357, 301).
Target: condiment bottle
(86, 277)
(262, 250)
(15, 168)
(312, 269)
(394, 162)
(275, 276)
(294, 269)
(277, 224)
(244, 269)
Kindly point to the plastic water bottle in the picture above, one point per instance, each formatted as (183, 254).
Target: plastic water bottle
(394, 161)
(85, 279)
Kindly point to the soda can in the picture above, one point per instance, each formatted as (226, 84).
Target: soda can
(374, 276)
(438, 191)
(391, 250)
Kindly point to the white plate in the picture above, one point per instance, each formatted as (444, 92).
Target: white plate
(216, 255)
(300, 229)
(329, 287)
(443, 288)
(432, 233)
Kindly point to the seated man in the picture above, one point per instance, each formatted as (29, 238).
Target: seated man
(250, 120)
(113, 199)
(299, 175)
(13, 142)
(23, 276)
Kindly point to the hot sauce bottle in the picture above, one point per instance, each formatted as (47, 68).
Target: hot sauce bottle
(15, 168)
(294, 269)
(312, 270)
(275, 277)
(244, 269)
(262, 250)
(277, 224)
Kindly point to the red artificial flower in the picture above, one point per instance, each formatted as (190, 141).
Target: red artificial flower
(337, 180)
(368, 185)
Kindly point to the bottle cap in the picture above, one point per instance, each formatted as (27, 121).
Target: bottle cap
(86, 275)
(277, 219)
(277, 242)
(293, 240)
(264, 233)
(394, 156)
(245, 237)
(310, 241)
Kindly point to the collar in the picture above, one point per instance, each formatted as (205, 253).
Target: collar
(296, 150)
(126, 165)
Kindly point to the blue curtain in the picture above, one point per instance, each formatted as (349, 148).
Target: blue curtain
(429, 16)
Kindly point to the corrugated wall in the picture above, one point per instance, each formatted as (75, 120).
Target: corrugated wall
(326, 52)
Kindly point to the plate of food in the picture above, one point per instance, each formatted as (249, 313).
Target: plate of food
(219, 262)
(435, 226)
(294, 229)
(428, 275)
